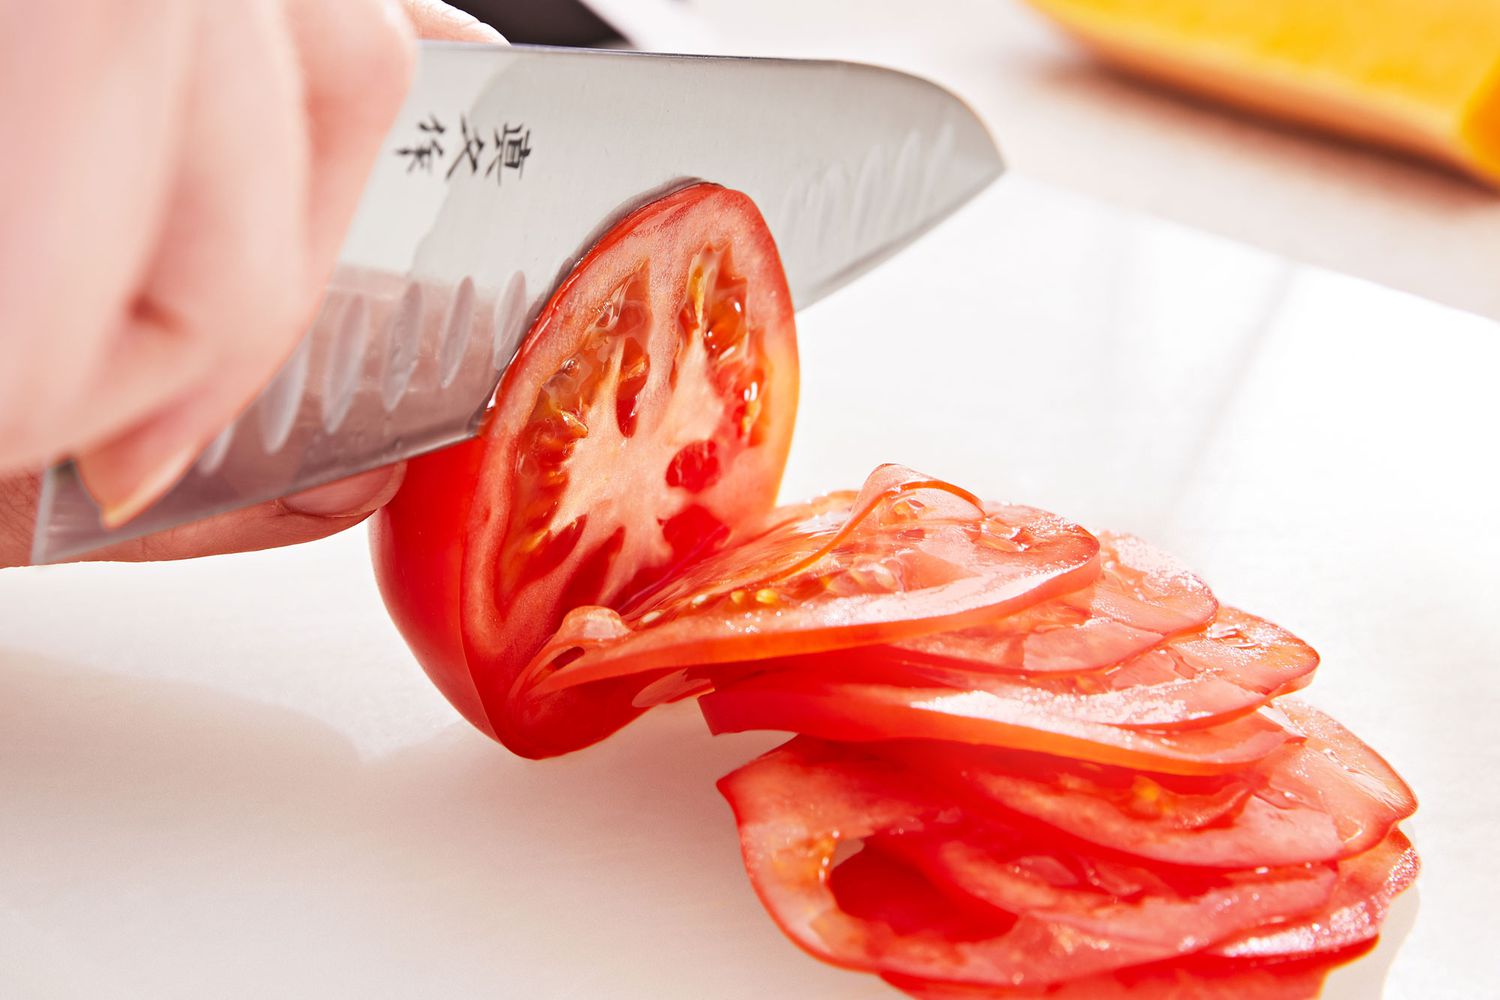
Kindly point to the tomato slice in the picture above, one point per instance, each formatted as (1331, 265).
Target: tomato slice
(644, 422)
(1325, 797)
(1043, 917)
(1019, 868)
(1237, 647)
(1193, 978)
(1367, 883)
(852, 711)
(1235, 664)
(908, 555)
(1231, 668)
(1141, 597)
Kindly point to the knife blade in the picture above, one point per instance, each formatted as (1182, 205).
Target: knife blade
(503, 166)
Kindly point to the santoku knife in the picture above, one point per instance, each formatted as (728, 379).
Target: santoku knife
(503, 165)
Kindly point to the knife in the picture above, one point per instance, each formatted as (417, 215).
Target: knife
(503, 166)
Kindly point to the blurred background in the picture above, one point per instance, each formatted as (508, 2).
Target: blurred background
(1060, 116)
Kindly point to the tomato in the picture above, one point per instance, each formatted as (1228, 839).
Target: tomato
(1142, 596)
(1192, 978)
(1233, 667)
(850, 710)
(1060, 767)
(1033, 915)
(907, 555)
(1021, 868)
(1325, 797)
(1367, 883)
(644, 422)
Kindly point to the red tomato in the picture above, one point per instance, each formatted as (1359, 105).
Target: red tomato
(1237, 647)
(1142, 595)
(908, 555)
(1234, 665)
(1073, 786)
(1191, 978)
(1021, 868)
(1326, 797)
(853, 711)
(1366, 885)
(1025, 914)
(1228, 669)
(644, 422)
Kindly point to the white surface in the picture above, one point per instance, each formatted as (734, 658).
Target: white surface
(229, 779)
(1059, 117)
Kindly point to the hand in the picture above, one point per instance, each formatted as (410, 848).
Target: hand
(181, 176)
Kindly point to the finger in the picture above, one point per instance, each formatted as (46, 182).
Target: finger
(305, 517)
(356, 61)
(231, 274)
(438, 21)
(91, 111)
(353, 72)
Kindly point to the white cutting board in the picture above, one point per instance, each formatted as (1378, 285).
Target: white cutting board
(228, 778)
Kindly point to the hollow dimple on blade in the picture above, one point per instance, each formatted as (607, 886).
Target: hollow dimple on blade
(330, 410)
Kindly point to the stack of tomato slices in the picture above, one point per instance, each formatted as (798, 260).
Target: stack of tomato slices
(1032, 761)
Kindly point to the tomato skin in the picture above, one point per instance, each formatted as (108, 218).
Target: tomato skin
(417, 544)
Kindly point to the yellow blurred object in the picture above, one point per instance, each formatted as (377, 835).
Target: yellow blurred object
(1419, 75)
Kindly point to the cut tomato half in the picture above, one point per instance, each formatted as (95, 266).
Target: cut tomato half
(1325, 797)
(908, 555)
(852, 711)
(644, 422)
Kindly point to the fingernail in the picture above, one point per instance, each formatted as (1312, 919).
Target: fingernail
(490, 31)
(121, 493)
(350, 497)
(437, 20)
